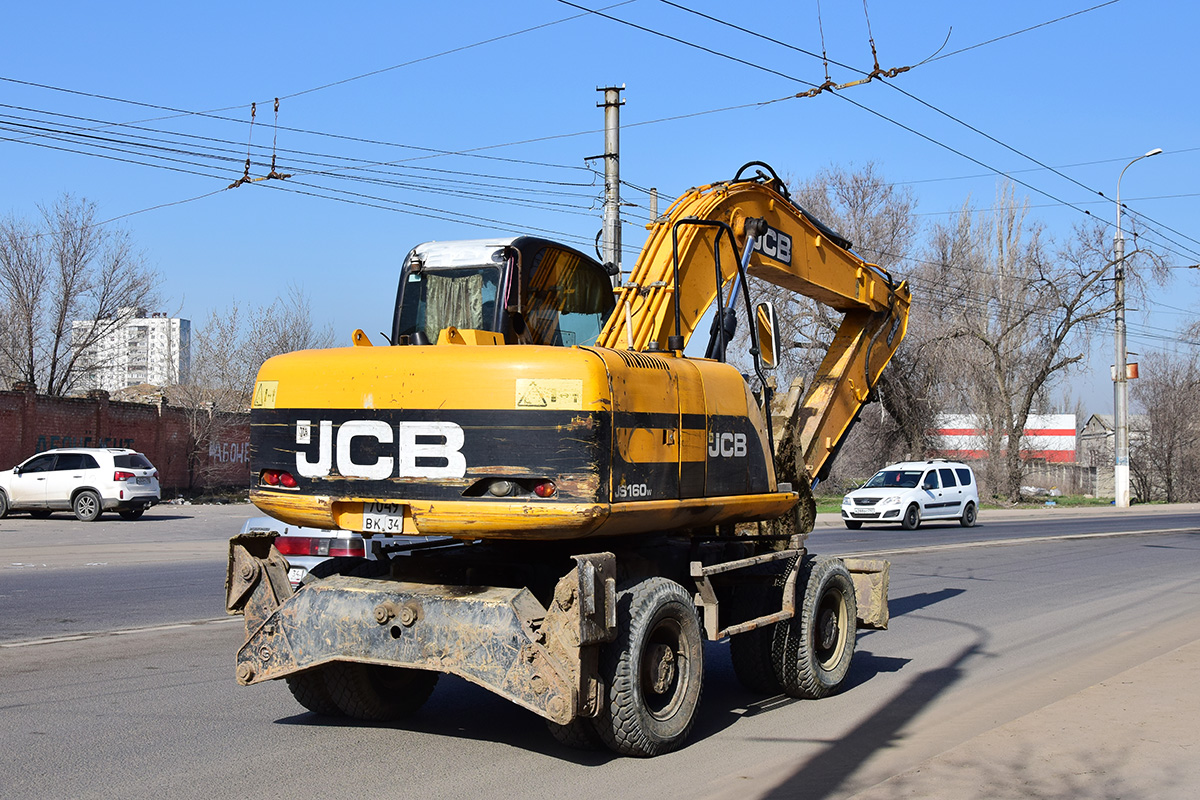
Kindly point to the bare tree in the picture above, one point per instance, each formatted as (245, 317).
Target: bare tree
(1017, 316)
(1165, 459)
(63, 269)
(226, 353)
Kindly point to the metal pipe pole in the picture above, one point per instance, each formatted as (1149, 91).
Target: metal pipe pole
(1120, 378)
(612, 178)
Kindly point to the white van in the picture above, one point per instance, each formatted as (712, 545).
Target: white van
(914, 491)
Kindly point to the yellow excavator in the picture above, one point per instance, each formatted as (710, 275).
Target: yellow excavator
(567, 502)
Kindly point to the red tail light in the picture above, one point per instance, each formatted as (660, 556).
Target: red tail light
(122, 476)
(545, 489)
(319, 546)
(287, 480)
(270, 477)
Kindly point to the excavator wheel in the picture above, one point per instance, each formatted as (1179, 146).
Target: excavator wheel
(750, 652)
(813, 650)
(653, 670)
(578, 734)
(378, 693)
(310, 691)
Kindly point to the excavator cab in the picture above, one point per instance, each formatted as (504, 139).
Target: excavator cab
(524, 289)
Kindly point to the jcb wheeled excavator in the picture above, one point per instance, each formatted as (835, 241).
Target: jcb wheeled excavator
(579, 501)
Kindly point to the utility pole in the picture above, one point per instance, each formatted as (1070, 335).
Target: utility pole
(1120, 376)
(612, 177)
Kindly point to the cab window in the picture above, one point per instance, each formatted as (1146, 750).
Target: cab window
(947, 477)
(931, 480)
(67, 461)
(433, 300)
(964, 476)
(569, 299)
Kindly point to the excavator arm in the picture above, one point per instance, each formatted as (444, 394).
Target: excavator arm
(681, 272)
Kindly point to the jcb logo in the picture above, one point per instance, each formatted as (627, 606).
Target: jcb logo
(775, 244)
(441, 443)
(726, 445)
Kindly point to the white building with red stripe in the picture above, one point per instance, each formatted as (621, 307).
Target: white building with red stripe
(1048, 437)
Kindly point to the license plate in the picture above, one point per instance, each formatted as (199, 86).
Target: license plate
(383, 518)
(143, 481)
(296, 574)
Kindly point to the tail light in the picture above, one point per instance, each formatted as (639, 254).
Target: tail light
(122, 476)
(330, 546)
(277, 477)
(545, 488)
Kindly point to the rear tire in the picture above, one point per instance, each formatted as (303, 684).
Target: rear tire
(578, 734)
(852, 524)
(653, 672)
(912, 518)
(377, 693)
(814, 649)
(3, 505)
(751, 651)
(310, 691)
(967, 520)
(86, 506)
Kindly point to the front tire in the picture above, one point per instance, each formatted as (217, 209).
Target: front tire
(967, 520)
(653, 671)
(86, 506)
(912, 518)
(377, 693)
(852, 524)
(814, 649)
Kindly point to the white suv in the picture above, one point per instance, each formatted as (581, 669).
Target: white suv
(913, 491)
(86, 480)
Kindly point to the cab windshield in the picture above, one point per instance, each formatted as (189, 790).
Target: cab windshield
(436, 299)
(894, 479)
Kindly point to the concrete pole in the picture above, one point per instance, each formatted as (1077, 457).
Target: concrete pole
(1120, 378)
(612, 177)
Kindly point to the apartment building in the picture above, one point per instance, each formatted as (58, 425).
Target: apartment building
(152, 349)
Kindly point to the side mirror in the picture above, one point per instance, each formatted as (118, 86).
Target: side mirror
(17, 470)
(768, 335)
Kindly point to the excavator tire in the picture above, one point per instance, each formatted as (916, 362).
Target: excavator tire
(378, 693)
(750, 652)
(578, 734)
(813, 650)
(653, 671)
(310, 691)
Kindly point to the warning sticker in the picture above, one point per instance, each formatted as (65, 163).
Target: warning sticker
(557, 393)
(264, 394)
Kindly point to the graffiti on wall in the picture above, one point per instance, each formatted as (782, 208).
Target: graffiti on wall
(229, 452)
(50, 442)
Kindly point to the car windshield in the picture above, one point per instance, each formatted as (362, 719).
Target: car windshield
(132, 461)
(894, 479)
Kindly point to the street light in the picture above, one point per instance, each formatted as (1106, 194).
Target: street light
(1120, 380)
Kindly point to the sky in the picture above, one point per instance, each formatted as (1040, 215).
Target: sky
(406, 122)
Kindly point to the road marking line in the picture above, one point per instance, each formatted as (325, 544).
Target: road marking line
(1023, 540)
(149, 629)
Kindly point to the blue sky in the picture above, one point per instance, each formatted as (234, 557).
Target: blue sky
(486, 112)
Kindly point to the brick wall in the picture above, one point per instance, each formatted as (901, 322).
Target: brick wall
(31, 423)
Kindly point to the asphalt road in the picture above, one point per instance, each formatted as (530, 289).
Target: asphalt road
(981, 635)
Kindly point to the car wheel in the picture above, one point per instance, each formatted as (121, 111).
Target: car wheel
(40, 513)
(86, 506)
(967, 520)
(852, 524)
(132, 513)
(653, 672)
(912, 518)
(3, 505)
